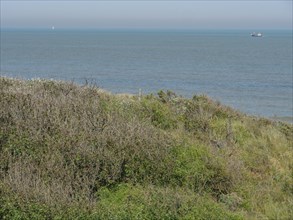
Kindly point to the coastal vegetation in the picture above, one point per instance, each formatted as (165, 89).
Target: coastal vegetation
(78, 152)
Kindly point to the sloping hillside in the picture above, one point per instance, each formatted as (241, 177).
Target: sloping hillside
(78, 152)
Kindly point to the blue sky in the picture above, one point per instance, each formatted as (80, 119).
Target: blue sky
(147, 14)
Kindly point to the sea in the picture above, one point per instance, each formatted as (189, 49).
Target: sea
(251, 74)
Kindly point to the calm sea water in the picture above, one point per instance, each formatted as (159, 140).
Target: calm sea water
(253, 75)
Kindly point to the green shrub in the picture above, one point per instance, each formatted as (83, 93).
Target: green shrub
(159, 114)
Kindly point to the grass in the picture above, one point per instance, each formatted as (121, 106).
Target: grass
(78, 152)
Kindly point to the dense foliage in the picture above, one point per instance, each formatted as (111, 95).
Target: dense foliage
(78, 152)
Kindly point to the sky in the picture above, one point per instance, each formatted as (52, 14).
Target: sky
(249, 14)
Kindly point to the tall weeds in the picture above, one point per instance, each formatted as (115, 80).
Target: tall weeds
(68, 151)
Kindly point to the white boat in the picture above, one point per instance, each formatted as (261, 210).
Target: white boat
(256, 34)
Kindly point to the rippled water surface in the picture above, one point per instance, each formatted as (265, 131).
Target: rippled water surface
(251, 74)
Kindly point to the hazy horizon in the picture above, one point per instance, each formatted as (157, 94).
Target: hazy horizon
(168, 15)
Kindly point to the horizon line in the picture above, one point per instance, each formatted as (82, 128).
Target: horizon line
(138, 28)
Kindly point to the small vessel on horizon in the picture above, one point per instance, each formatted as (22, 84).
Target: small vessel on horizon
(256, 34)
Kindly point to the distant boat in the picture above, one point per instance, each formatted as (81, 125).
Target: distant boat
(256, 34)
(53, 28)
